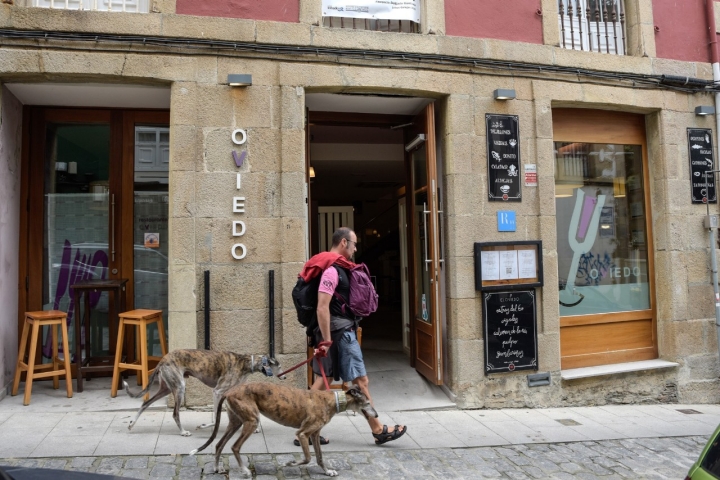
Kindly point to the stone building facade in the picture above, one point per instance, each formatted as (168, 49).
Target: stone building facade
(168, 69)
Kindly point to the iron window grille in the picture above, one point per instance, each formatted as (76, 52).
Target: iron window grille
(592, 25)
(134, 6)
(402, 26)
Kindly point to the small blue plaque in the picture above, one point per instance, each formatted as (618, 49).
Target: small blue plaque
(506, 220)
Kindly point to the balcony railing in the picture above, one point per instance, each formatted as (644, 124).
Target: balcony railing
(592, 25)
(403, 26)
(135, 6)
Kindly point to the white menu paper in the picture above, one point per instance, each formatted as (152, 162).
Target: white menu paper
(527, 264)
(490, 265)
(508, 265)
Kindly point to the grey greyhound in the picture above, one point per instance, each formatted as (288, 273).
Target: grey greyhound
(218, 370)
(307, 410)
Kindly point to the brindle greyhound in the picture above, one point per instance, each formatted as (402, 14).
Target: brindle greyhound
(307, 410)
(218, 370)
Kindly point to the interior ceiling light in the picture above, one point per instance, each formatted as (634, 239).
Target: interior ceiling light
(312, 172)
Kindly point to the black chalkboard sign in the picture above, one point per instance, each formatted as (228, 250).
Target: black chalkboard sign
(510, 331)
(700, 146)
(503, 152)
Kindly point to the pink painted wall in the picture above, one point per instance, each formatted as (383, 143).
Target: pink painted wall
(683, 30)
(502, 19)
(275, 10)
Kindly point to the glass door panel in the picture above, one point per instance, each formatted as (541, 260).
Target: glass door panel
(76, 222)
(150, 231)
(423, 297)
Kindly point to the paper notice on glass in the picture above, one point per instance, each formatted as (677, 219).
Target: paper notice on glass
(490, 265)
(508, 265)
(527, 264)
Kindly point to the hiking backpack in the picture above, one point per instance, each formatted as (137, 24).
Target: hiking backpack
(362, 302)
(363, 299)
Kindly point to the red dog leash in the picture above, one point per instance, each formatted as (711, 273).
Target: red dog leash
(319, 353)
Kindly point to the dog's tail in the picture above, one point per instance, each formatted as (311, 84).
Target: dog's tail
(215, 429)
(142, 392)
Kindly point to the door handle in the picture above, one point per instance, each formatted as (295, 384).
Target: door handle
(440, 232)
(112, 225)
(425, 212)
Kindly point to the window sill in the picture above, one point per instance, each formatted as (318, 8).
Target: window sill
(601, 370)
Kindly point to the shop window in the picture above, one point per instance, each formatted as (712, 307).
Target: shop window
(604, 238)
(134, 6)
(602, 253)
(592, 25)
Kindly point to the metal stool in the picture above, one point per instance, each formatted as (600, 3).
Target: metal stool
(141, 319)
(37, 320)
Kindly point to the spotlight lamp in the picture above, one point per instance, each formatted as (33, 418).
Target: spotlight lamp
(239, 79)
(705, 110)
(504, 94)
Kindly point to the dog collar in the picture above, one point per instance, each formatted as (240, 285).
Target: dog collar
(340, 401)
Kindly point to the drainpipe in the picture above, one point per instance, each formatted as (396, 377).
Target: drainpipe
(712, 37)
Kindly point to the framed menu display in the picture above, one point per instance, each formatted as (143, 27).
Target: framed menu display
(499, 265)
(702, 161)
(503, 157)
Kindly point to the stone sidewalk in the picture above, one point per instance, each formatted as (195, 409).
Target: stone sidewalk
(646, 458)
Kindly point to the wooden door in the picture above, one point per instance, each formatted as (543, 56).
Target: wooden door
(426, 321)
(80, 182)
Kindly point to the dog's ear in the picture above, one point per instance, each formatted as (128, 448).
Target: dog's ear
(355, 393)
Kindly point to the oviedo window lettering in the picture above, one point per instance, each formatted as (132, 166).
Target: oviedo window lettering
(238, 250)
(602, 252)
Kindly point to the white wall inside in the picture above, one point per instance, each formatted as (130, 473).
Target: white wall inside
(10, 142)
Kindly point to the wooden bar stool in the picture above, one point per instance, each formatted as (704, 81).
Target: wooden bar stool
(141, 319)
(37, 320)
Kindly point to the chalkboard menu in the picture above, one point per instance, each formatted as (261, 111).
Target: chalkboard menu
(503, 152)
(510, 331)
(700, 146)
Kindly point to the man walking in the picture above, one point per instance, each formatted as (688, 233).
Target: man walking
(338, 326)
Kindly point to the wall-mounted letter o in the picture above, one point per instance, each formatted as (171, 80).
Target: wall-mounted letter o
(234, 136)
(234, 251)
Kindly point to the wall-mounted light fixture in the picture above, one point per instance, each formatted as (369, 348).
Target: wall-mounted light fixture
(504, 94)
(239, 79)
(312, 172)
(416, 142)
(705, 110)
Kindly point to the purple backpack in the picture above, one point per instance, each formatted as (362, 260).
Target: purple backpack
(363, 298)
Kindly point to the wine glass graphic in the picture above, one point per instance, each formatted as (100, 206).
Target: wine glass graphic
(582, 232)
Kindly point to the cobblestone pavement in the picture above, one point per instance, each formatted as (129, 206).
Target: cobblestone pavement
(642, 458)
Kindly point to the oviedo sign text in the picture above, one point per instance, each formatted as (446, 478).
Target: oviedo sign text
(238, 250)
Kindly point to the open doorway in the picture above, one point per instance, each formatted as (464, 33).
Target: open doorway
(359, 179)
(365, 157)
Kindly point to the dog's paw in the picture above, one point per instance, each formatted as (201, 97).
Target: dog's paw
(331, 473)
(193, 452)
(185, 433)
(132, 424)
(204, 425)
(245, 472)
(257, 430)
